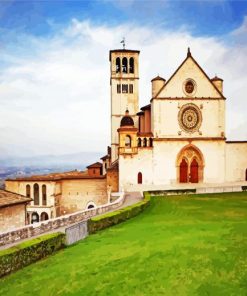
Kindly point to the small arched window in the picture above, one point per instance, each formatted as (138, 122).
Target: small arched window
(150, 142)
(44, 199)
(139, 178)
(131, 68)
(36, 194)
(246, 175)
(28, 191)
(145, 142)
(128, 141)
(118, 65)
(124, 65)
(139, 142)
(44, 216)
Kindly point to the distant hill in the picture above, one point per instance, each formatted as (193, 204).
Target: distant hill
(81, 159)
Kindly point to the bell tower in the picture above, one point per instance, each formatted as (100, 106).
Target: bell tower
(124, 81)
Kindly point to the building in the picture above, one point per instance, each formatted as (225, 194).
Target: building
(12, 210)
(59, 194)
(179, 138)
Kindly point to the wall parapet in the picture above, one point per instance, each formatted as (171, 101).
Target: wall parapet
(29, 231)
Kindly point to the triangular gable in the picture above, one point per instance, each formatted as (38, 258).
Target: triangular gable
(189, 69)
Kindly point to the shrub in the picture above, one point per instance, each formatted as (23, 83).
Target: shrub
(98, 223)
(173, 192)
(30, 251)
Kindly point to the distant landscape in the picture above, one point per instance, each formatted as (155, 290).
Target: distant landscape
(13, 167)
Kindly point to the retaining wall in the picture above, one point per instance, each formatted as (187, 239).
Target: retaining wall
(76, 232)
(53, 224)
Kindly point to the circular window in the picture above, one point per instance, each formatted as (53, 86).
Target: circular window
(189, 87)
(190, 118)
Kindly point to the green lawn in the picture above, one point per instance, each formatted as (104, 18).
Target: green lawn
(186, 245)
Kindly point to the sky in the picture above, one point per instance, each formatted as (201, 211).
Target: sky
(54, 65)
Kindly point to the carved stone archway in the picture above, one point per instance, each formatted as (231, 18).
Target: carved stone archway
(190, 165)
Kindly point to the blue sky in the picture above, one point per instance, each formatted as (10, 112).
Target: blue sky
(54, 67)
(202, 17)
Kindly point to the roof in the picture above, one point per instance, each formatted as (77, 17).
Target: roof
(187, 57)
(105, 157)
(57, 177)
(216, 78)
(236, 142)
(157, 78)
(122, 50)
(144, 134)
(95, 165)
(146, 107)
(127, 120)
(8, 198)
(140, 113)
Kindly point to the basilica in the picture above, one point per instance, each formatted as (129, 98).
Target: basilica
(178, 138)
(176, 141)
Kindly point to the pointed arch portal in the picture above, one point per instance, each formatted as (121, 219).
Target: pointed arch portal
(190, 165)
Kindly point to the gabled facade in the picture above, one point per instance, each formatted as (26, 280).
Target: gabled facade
(179, 138)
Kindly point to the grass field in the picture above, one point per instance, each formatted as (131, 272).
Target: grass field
(179, 246)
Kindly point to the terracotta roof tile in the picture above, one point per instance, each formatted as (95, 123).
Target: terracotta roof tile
(56, 176)
(95, 165)
(9, 198)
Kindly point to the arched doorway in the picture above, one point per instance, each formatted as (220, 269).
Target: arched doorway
(194, 171)
(44, 216)
(35, 218)
(190, 165)
(91, 205)
(183, 171)
(246, 175)
(139, 178)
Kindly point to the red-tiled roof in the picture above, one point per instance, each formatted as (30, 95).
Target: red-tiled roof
(9, 198)
(57, 176)
(105, 157)
(144, 134)
(95, 165)
(146, 107)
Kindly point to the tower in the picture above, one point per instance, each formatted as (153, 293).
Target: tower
(124, 67)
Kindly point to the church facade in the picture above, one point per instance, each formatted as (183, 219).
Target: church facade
(179, 138)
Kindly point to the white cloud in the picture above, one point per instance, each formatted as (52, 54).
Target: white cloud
(55, 96)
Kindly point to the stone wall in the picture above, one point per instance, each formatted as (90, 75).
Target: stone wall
(67, 220)
(112, 179)
(12, 217)
(236, 161)
(77, 194)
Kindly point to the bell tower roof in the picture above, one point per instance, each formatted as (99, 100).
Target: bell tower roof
(122, 51)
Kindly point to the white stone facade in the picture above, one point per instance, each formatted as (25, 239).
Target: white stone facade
(188, 145)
